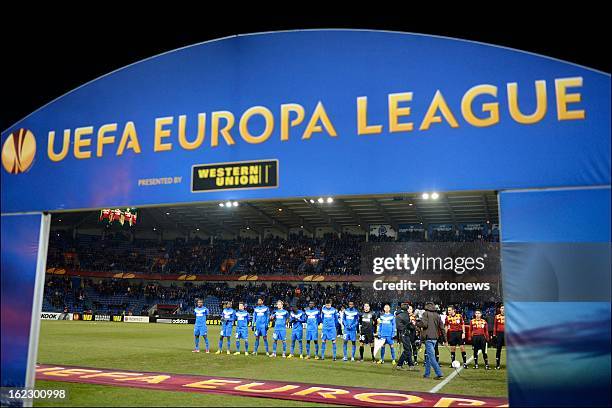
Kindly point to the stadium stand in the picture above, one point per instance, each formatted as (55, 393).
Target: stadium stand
(298, 255)
(123, 296)
(329, 255)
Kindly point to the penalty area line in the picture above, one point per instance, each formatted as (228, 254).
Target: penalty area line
(448, 379)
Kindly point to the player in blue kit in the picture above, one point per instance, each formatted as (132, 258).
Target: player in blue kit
(228, 315)
(200, 329)
(329, 319)
(297, 319)
(386, 331)
(350, 321)
(280, 317)
(261, 320)
(313, 318)
(242, 329)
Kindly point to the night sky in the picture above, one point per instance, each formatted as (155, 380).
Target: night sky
(48, 55)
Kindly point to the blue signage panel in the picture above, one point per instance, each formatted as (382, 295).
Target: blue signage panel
(556, 279)
(341, 112)
(19, 250)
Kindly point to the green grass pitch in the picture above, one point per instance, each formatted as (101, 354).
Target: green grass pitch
(167, 348)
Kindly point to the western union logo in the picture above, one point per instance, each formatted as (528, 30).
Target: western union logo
(232, 176)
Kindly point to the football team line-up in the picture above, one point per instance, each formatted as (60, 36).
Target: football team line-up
(411, 330)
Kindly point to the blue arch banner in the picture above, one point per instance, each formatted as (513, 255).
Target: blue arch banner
(340, 112)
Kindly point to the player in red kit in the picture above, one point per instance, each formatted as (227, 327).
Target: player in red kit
(105, 215)
(480, 337)
(127, 216)
(116, 215)
(455, 333)
(498, 332)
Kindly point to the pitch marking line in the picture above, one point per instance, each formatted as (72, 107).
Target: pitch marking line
(449, 378)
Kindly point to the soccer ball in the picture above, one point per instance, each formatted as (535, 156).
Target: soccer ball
(456, 364)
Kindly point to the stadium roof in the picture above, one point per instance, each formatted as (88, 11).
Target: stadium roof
(212, 219)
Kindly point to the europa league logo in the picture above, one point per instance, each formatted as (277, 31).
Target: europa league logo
(18, 151)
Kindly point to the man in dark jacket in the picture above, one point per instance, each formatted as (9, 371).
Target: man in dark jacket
(490, 318)
(432, 326)
(405, 332)
(415, 336)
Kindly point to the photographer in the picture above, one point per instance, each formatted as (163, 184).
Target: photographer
(405, 332)
(432, 329)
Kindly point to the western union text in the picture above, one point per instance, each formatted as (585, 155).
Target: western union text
(233, 175)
